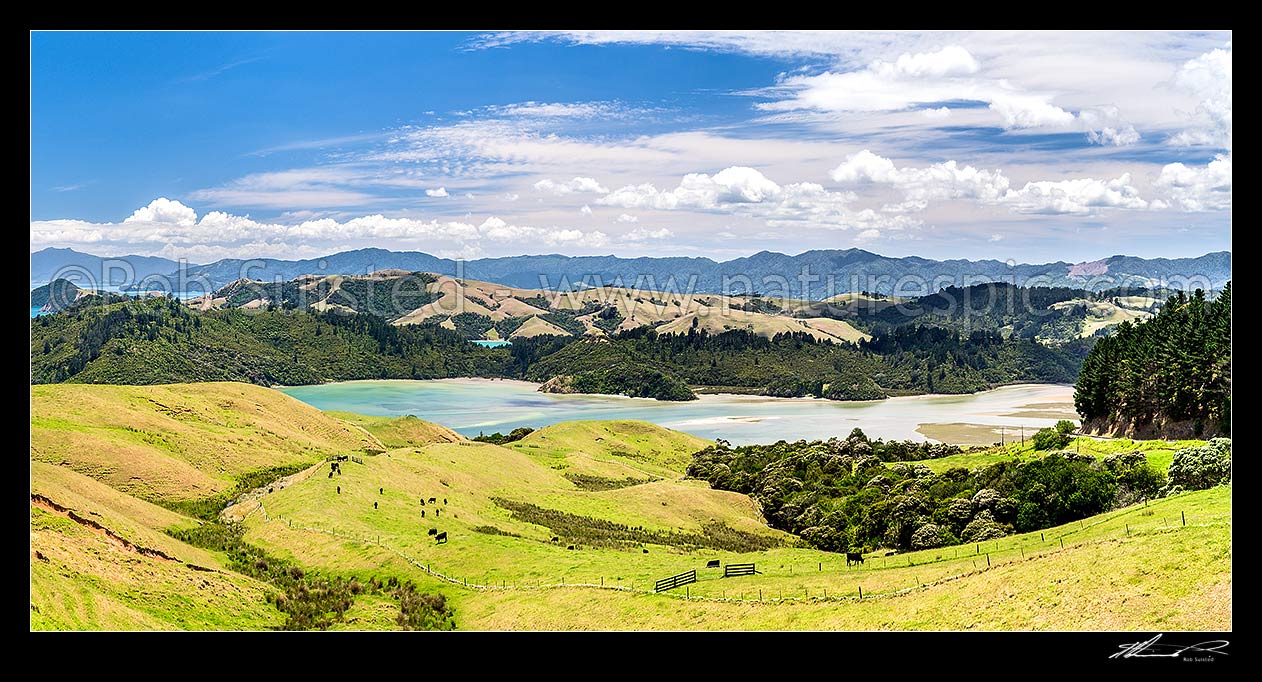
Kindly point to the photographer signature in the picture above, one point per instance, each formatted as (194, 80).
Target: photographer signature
(1153, 649)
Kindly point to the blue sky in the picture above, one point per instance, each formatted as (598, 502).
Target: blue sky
(1037, 147)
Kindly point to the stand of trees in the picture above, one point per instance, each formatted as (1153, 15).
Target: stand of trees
(858, 495)
(1169, 376)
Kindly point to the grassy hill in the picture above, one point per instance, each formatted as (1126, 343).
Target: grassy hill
(181, 442)
(501, 507)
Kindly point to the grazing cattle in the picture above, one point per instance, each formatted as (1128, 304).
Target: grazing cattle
(712, 564)
(339, 490)
(422, 501)
(890, 553)
(854, 558)
(271, 490)
(441, 537)
(555, 539)
(444, 500)
(646, 550)
(374, 505)
(431, 500)
(422, 513)
(435, 512)
(570, 547)
(330, 474)
(433, 531)
(381, 491)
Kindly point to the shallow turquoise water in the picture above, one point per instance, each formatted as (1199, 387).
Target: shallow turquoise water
(471, 406)
(489, 343)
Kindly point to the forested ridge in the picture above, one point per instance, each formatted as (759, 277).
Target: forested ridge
(159, 340)
(1169, 376)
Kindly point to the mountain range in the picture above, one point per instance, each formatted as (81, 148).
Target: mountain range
(828, 272)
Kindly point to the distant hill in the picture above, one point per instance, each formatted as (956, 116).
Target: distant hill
(86, 269)
(769, 273)
(60, 293)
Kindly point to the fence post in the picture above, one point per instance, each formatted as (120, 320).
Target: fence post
(1185, 517)
(821, 566)
(861, 591)
(602, 581)
(1062, 543)
(1041, 538)
(987, 559)
(1128, 529)
(760, 595)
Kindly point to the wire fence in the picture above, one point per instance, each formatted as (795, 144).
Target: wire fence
(1012, 554)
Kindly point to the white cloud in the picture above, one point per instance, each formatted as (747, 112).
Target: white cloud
(940, 112)
(510, 196)
(585, 210)
(576, 185)
(948, 74)
(562, 110)
(951, 60)
(627, 218)
(163, 210)
(1028, 111)
(1076, 196)
(1105, 126)
(949, 180)
(945, 180)
(744, 191)
(1208, 78)
(867, 235)
(995, 238)
(1198, 189)
(640, 234)
(440, 192)
(171, 228)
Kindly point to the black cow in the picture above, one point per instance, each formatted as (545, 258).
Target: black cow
(330, 474)
(374, 505)
(555, 539)
(431, 500)
(422, 501)
(441, 537)
(854, 558)
(570, 547)
(339, 490)
(422, 513)
(712, 564)
(433, 531)
(271, 490)
(444, 500)
(381, 491)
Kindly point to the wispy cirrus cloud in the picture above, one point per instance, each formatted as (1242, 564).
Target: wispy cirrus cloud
(217, 71)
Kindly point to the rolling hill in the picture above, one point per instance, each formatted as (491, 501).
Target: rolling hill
(532, 543)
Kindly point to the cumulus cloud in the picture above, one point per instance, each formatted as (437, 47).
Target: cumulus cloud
(585, 210)
(1198, 189)
(946, 180)
(1077, 196)
(912, 80)
(626, 218)
(577, 185)
(995, 238)
(1208, 77)
(1105, 127)
(163, 210)
(170, 228)
(440, 192)
(744, 191)
(949, 180)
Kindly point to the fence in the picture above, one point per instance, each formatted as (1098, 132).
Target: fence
(732, 570)
(675, 581)
(1015, 552)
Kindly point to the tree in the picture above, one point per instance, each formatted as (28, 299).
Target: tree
(1050, 439)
